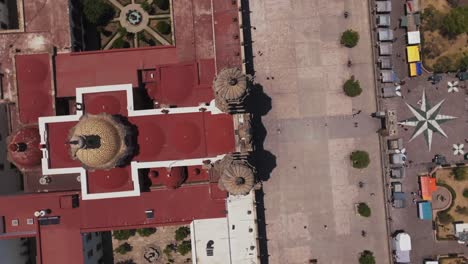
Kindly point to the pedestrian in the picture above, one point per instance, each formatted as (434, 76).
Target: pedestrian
(372, 194)
(325, 226)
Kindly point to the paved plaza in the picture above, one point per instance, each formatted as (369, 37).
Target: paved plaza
(313, 127)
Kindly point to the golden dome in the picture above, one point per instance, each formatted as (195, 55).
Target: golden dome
(98, 141)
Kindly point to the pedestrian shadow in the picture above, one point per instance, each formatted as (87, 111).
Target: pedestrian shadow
(258, 104)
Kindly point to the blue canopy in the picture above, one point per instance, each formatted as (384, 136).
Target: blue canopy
(418, 68)
(425, 210)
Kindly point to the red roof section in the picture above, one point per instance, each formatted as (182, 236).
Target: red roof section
(428, 186)
(34, 81)
(31, 156)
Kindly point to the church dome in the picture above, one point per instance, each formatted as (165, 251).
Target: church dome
(23, 148)
(99, 141)
(230, 84)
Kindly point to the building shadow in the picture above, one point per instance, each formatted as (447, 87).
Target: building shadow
(258, 104)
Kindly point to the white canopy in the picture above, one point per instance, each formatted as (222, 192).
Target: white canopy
(414, 37)
(403, 242)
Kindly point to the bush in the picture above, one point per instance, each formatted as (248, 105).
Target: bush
(146, 6)
(123, 234)
(352, 87)
(169, 249)
(120, 44)
(445, 64)
(163, 27)
(462, 210)
(144, 232)
(98, 12)
(360, 159)
(349, 38)
(128, 261)
(445, 217)
(181, 233)
(122, 31)
(366, 257)
(162, 4)
(464, 62)
(459, 173)
(465, 193)
(455, 22)
(364, 209)
(184, 247)
(124, 248)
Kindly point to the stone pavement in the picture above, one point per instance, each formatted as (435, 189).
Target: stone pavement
(310, 195)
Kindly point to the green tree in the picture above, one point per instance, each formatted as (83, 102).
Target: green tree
(122, 31)
(98, 12)
(144, 232)
(349, 38)
(163, 27)
(460, 173)
(364, 210)
(162, 4)
(184, 247)
(455, 22)
(181, 233)
(366, 257)
(360, 159)
(123, 234)
(124, 248)
(432, 18)
(352, 87)
(444, 217)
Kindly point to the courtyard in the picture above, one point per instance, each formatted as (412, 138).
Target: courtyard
(312, 129)
(114, 24)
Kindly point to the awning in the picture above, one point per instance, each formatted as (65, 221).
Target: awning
(425, 211)
(428, 186)
(412, 53)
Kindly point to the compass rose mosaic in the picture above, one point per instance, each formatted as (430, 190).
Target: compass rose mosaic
(426, 119)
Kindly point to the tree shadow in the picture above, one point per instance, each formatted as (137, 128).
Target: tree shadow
(258, 104)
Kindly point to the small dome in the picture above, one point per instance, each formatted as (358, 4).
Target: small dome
(23, 148)
(238, 179)
(174, 177)
(98, 141)
(230, 84)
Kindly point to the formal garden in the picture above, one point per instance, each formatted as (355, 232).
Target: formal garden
(444, 29)
(169, 244)
(129, 23)
(456, 181)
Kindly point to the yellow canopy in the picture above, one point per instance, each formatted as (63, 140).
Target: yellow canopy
(412, 69)
(413, 53)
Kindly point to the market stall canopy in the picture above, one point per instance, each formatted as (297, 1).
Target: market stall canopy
(412, 53)
(425, 211)
(428, 186)
(414, 37)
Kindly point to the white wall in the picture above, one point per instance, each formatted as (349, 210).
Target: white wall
(92, 244)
